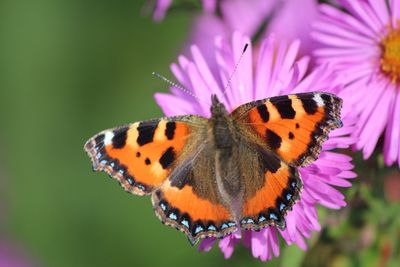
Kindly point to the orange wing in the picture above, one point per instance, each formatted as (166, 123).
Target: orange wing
(170, 159)
(292, 126)
(269, 204)
(189, 200)
(142, 155)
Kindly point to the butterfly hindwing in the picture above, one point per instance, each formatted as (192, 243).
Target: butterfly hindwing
(190, 201)
(142, 155)
(293, 126)
(279, 190)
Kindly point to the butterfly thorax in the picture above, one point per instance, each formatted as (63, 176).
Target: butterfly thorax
(223, 137)
(222, 129)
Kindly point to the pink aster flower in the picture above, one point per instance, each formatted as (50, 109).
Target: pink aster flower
(258, 19)
(275, 71)
(251, 17)
(161, 7)
(363, 42)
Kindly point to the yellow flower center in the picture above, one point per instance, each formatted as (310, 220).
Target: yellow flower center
(390, 61)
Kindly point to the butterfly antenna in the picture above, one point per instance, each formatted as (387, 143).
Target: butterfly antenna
(176, 85)
(228, 84)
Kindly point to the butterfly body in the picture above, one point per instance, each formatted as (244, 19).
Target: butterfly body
(211, 177)
(224, 143)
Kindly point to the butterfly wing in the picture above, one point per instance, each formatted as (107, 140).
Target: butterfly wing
(142, 155)
(293, 126)
(283, 133)
(170, 159)
(190, 201)
(270, 192)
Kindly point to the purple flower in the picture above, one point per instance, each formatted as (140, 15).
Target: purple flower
(161, 7)
(256, 18)
(275, 71)
(11, 257)
(363, 43)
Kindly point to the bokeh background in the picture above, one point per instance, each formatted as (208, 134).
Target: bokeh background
(70, 68)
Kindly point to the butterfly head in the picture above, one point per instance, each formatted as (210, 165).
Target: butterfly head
(217, 107)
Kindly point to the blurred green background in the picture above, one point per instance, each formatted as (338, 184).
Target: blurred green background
(71, 68)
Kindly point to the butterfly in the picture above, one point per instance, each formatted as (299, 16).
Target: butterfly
(209, 177)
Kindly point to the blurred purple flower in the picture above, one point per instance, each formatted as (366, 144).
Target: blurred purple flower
(251, 17)
(10, 257)
(363, 42)
(161, 7)
(256, 18)
(274, 72)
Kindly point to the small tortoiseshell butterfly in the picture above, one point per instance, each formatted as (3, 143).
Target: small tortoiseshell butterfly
(209, 177)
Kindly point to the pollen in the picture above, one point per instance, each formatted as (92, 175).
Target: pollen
(390, 60)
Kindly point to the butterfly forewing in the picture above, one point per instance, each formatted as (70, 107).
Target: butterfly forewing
(293, 126)
(141, 155)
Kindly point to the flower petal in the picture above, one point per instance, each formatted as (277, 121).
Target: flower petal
(392, 137)
(289, 27)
